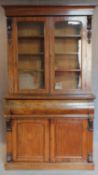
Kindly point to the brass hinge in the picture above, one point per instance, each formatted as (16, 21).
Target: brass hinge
(90, 158)
(90, 124)
(9, 157)
(9, 125)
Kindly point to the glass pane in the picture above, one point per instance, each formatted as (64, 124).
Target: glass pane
(31, 55)
(64, 28)
(67, 55)
(67, 80)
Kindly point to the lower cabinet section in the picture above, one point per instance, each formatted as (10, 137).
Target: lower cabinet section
(49, 140)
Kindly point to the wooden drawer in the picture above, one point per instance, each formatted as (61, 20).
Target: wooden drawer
(48, 107)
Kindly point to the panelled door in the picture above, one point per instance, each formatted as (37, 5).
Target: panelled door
(68, 140)
(30, 140)
(50, 140)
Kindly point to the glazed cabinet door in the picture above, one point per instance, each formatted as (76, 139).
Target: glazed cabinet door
(30, 140)
(68, 54)
(68, 140)
(28, 55)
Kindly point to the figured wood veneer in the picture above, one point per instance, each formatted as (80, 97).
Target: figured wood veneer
(49, 122)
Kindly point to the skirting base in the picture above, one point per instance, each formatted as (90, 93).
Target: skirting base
(47, 166)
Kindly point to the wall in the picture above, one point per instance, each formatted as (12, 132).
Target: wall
(48, 2)
(4, 85)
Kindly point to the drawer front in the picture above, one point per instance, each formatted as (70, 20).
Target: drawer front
(44, 107)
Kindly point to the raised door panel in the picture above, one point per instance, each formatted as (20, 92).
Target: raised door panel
(68, 140)
(30, 140)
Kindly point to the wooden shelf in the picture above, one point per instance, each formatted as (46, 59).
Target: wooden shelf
(31, 37)
(30, 70)
(31, 54)
(68, 36)
(67, 53)
(67, 70)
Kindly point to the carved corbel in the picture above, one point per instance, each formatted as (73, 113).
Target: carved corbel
(89, 28)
